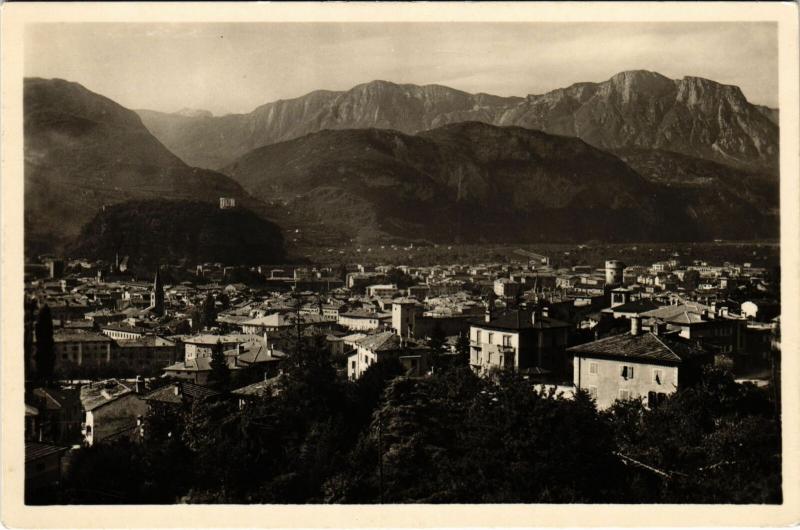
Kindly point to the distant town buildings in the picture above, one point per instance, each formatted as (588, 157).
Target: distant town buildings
(123, 345)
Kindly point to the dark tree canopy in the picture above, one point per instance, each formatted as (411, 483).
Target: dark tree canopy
(451, 437)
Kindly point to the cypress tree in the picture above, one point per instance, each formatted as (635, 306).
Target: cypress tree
(220, 376)
(45, 345)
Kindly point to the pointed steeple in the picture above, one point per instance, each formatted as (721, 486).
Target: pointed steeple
(157, 296)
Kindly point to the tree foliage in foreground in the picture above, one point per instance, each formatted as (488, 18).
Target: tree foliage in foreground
(448, 438)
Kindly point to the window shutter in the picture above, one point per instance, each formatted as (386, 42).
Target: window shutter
(630, 372)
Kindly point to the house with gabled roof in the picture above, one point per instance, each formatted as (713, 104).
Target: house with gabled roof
(717, 330)
(371, 349)
(113, 410)
(636, 365)
(178, 393)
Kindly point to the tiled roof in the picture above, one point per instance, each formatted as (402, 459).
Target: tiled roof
(361, 314)
(258, 352)
(99, 393)
(669, 312)
(284, 320)
(643, 347)
(637, 306)
(126, 329)
(231, 338)
(203, 363)
(188, 390)
(37, 450)
(257, 389)
(80, 336)
(687, 318)
(519, 320)
(147, 341)
(380, 342)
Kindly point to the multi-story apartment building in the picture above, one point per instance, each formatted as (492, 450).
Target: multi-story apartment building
(518, 340)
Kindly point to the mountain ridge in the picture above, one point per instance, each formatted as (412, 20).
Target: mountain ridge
(473, 182)
(692, 115)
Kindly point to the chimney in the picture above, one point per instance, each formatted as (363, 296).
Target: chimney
(636, 325)
(487, 316)
(139, 385)
(177, 389)
(265, 338)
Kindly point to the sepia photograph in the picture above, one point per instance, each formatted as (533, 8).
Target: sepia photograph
(422, 262)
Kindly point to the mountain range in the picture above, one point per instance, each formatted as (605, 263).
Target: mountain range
(693, 116)
(385, 161)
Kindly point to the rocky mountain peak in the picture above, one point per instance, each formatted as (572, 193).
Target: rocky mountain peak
(635, 108)
(638, 84)
(699, 91)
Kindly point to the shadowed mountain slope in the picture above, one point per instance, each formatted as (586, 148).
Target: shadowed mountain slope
(471, 182)
(84, 151)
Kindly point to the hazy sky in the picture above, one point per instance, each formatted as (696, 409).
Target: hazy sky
(236, 67)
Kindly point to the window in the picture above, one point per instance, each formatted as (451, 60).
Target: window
(624, 394)
(627, 371)
(658, 376)
(478, 336)
(506, 340)
(593, 368)
(655, 398)
(491, 336)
